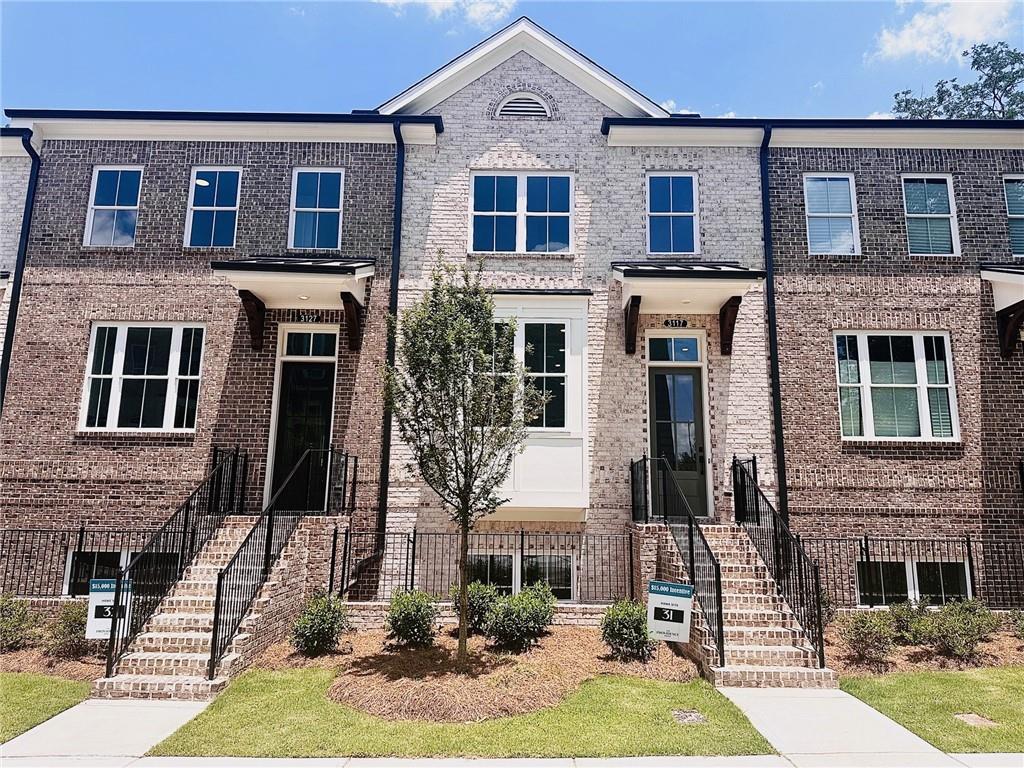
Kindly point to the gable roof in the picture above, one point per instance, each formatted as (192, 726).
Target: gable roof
(523, 35)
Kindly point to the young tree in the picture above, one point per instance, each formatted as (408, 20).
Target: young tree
(461, 402)
(998, 93)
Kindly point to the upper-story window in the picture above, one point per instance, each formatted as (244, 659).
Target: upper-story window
(831, 214)
(672, 225)
(316, 208)
(213, 207)
(931, 215)
(113, 206)
(1013, 188)
(521, 212)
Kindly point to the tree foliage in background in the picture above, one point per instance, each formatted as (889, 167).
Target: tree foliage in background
(461, 401)
(998, 93)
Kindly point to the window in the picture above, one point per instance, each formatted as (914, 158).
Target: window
(142, 377)
(113, 207)
(674, 350)
(510, 572)
(1014, 191)
(212, 208)
(895, 386)
(553, 570)
(521, 213)
(545, 362)
(316, 208)
(310, 344)
(672, 213)
(831, 214)
(495, 570)
(92, 565)
(896, 581)
(931, 215)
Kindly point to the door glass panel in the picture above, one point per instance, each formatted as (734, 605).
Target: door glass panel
(678, 431)
(303, 421)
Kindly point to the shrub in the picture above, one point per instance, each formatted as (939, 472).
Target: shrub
(321, 623)
(624, 631)
(911, 622)
(15, 624)
(516, 621)
(958, 627)
(411, 619)
(1015, 623)
(65, 635)
(482, 598)
(828, 607)
(869, 635)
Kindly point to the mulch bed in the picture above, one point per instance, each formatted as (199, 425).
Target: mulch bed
(425, 684)
(1002, 650)
(34, 660)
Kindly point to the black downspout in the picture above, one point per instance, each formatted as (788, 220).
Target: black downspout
(384, 477)
(19, 264)
(773, 336)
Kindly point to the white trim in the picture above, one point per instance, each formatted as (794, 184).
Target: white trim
(292, 210)
(1009, 216)
(695, 215)
(854, 216)
(93, 207)
(192, 208)
(953, 223)
(909, 564)
(1007, 287)
(520, 212)
(11, 146)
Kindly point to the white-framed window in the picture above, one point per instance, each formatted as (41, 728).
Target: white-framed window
(544, 357)
(1013, 191)
(212, 217)
(81, 566)
(315, 221)
(113, 206)
(883, 582)
(896, 385)
(525, 212)
(509, 571)
(830, 201)
(142, 377)
(672, 221)
(930, 215)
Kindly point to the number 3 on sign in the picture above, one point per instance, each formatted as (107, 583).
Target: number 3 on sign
(309, 317)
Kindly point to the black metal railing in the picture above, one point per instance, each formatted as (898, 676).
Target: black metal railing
(795, 573)
(322, 482)
(657, 497)
(579, 567)
(150, 574)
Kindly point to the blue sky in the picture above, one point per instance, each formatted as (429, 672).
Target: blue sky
(814, 59)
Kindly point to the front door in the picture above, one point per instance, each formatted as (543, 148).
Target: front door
(677, 431)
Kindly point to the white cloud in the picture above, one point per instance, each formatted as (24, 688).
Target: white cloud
(670, 105)
(818, 87)
(480, 13)
(296, 11)
(943, 29)
(730, 113)
(880, 116)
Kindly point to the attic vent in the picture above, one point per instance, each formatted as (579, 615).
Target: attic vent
(523, 105)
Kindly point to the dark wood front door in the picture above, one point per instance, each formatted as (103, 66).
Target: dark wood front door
(677, 430)
(305, 403)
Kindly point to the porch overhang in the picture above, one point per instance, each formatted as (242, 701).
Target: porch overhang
(1008, 301)
(295, 283)
(679, 287)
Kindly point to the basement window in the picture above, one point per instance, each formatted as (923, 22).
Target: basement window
(510, 572)
(896, 581)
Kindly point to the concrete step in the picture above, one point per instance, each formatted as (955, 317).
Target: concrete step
(158, 687)
(747, 676)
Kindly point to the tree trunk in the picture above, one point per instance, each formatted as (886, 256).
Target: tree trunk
(463, 655)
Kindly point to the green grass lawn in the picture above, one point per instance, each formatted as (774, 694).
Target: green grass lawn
(27, 699)
(925, 702)
(288, 714)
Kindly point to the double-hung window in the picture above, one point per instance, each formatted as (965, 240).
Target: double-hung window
(142, 377)
(896, 385)
(1013, 188)
(831, 214)
(317, 195)
(672, 225)
(545, 362)
(521, 213)
(113, 206)
(931, 215)
(213, 208)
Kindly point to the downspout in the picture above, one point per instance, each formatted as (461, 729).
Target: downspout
(19, 264)
(384, 476)
(773, 336)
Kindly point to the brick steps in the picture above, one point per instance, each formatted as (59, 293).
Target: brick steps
(758, 676)
(158, 687)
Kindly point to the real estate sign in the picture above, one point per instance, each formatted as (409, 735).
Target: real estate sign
(669, 606)
(101, 607)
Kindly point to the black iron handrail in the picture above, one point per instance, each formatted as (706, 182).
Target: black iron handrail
(149, 576)
(657, 497)
(796, 575)
(321, 483)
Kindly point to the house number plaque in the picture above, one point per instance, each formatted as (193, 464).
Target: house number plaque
(309, 317)
(676, 323)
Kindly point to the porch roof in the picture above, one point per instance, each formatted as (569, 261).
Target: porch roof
(1008, 300)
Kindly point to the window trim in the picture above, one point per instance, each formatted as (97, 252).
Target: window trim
(954, 225)
(340, 210)
(854, 216)
(192, 207)
(913, 591)
(519, 346)
(695, 215)
(517, 565)
(172, 378)
(921, 386)
(91, 212)
(1009, 216)
(125, 556)
(521, 213)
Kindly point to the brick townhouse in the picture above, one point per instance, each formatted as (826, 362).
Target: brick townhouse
(16, 163)
(777, 353)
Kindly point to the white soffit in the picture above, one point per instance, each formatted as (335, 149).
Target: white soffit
(523, 35)
(11, 146)
(900, 138)
(282, 290)
(683, 136)
(1007, 285)
(683, 296)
